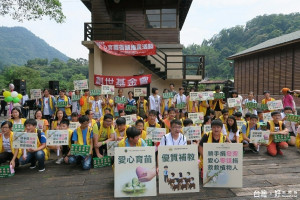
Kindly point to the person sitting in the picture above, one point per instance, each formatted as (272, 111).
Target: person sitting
(174, 137)
(132, 139)
(250, 125)
(231, 130)
(224, 116)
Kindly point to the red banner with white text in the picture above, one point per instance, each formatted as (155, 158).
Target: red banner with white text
(127, 48)
(122, 81)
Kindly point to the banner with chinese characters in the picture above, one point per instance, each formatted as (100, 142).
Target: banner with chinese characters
(18, 128)
(127, 48)
(155, 134)
(168, 95)
(178, 169)
(102, 162)
(234, 102)
(195, 96)
(223, 165)
(35, 94)
(25, 140)
(275, 105)
(192, 132)
(135, 172)
(208, 95)
(197, 118)
(75, 97)
(293, 118)
(95, 92)
(80, 84)
(206, 128)
(58, 137)
(140, 92)
(258, 136)
(130, 119)
(82, 150)
(108, 89)
(122, 81)
(219, 95)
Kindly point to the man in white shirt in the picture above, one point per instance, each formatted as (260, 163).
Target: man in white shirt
(174, 137)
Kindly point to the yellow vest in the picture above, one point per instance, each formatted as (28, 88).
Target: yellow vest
(145, 105)
(272, 129)
(70, 137)
(86, 105)
(67, 110)
(144, 135)
(163, 105)
(213, 105)
(22, 121)
(247, 131)
(122, 143)
(11, 137)
(50, 102)
(298, 141)
(110, 101)
(147, 125)
(191, 103)
(202, 107)
(46, 150)
(222, 119)
(118, 132)
(80, 136)
(101, 131)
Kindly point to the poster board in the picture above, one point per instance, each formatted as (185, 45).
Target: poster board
(234, 102)
(75, 97)
(293, 118)
(195, 96)
(155, 134)
(275, 105)
(40, 125)
(81, 84)
(95, 92)
(181, 105)
(130, 119)
(219, 95)
(259, 136)
(206, 128)
(82, 150)
(192, 133)
(111, 145)
(240, 123)
(61, 104)
(197, 118)
(140, 92)
(121, 100)
(208, 95)
(58, 137)
(74, 125)
(102, 162)
(108, 89)
(35, 93)
(24, 140)
(18, 128)
(168, 95)
(267, 116)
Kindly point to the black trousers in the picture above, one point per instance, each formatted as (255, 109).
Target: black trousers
(7, 156)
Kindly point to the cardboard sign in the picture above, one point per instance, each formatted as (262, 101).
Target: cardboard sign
(262, 106)
(281, 138)
(130, 119)
(195, 96)
(259, 136)
(220, 95)
(111, 145)
(208, 95)
(168, 95)
(234, 102)
(5, 171)
(240, 123)
(178, 169)
(40, 125)
(75, 97)
(24, 140)
(121, 100)
(61, 104)
(267, 116)
(223, 165)
(206, 128)
(130, 108)
(192, 132)
(35, 94)
(58, 137)
(74, 125)
(81, 84)
(293, 118)
(18, 128)
(251, 105)
(133, 166)
(102, 162)
(263, 126)
(140, 92)
(181, 105)
(275, 105)
(155, 134)
(197, 118)
(82, 150)
(96, 92)
(108, 89)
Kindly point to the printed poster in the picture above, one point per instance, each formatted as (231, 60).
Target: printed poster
(74, 125)
(240, 123)
(81, 84)
(275, 105)
(24, 140)
(168, 95)
(140, 92)
(35, 93)
(208, 95)
(197, 118)
(192, 133)
(108, 89)
(267, 116)
(206, 128)
(111, 145)
(195, 96)
(259, 136)
(223, 165)
(40, 125)
(130, 119)
(178, 169)
(155, 134)
(134, 172)
(234, 102)
(58, 137)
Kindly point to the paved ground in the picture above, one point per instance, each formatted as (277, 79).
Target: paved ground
(260, 172)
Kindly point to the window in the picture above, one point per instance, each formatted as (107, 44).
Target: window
(161, 18)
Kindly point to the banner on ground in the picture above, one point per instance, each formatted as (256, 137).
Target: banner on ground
(24, 140)
(35, 94)
(81, 84)
(122, 81)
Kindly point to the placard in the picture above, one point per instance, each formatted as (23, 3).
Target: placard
(140, 92)
(82, 150)
(57, 137)
(251, 105)
(219, 95)
(208, 95)
(293, 118)
(24, 140)
(281, 138)
(110, 146)
(267, 116)
(275, 105)
(134, 172)
(259, 136)
(102, 162)
(5, 171)
(262, 107)
(35, 93)
(263, 126)
(96, 92)
(107, 89)
(130, 119)
(75, 97)
(74, 125)
(121, 100)
(195, 96)
(240, 123)
(168, 95)
(155, 134)
(234, 102)
(181, 105)
(81, 84)
(149, 142)
(206, 128)
(223, 165)
(40, 125)
(192, 133)
(197, 118)
(130, 108)
(61, 104)
(178, 169)
(18, 128)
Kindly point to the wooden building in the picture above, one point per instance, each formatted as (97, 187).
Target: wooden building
(271, 65)
(159, 21)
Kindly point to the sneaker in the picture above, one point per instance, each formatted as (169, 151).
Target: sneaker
(59, 161)
(279, 152)
(252, 148)
(32, 166)
(41, 170)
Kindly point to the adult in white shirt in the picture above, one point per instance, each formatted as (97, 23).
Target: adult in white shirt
(154, 100)
(174, 137)
(97, 107)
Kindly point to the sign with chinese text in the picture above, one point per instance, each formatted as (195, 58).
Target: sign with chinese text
(122, 81)
(275, 105)
(107, 89)
(75, 97)
(121, 100)
(81, 84)
(5, 171)
(181, 105)
(168, 95)
(130, 119)
(204, 96)
(61, 104)
(197, 118)
(195, 96)
(102, 162)
(178, 169)
(111, 145)
(58, 137)
(95, 92)
(233, 102)
(192, 132)
(258, 136)
(18, 128)
(24, 140)
(82, 150)
(140, 92)
(240, 123)
(130, 108)
(262, 106)
(135, 172)
(293, 118)
(155, 134)
(251, 105)
(74, 125)
(206, 128)
(35, 93)
(219, 95)
(267, 116)
(281, 138)
(263, 126)
(149, 142)
(222, 165)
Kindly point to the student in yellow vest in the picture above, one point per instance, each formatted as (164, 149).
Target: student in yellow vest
(63, 98)
(74, 117)
(60, 115)
(97, 105)
(192, 106)
(166, 104)
(266, 100)
(47, 105)
(139, 124)
(142, 107)
(120, 131)
(85, 102)
(132, 138)
(83, 135)
(171, 116)
(217, 104)
(231, 130)
(39, 116)
(109, 103)
(276, 127)
(234, 94)
(7, 152)
(214, 136)
(90, 115)
(252, 124)
(106, 111)
(106, 128)
(224, 116)
(16, 117)
(207, 121)
(152, 120)
(39, 154)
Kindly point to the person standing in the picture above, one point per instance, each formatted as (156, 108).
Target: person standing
(47, 105)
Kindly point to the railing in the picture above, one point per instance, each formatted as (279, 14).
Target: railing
(121, 31)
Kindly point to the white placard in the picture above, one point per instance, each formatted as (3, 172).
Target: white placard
(58, 137)
(81, 84)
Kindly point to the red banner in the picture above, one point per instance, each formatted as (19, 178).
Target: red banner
(122, 81)
(127, 48)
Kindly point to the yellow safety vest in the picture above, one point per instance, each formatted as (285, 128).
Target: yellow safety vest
(80, 136)
(272, 129)
(11, 137)
(67, 110)
(122, 143)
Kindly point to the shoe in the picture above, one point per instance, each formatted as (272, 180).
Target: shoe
(59, 161)
(32, 166)
(279, 152)
(252, 148)
(41, 170)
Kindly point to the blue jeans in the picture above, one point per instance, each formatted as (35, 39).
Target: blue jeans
(33, 157)
(86, 161)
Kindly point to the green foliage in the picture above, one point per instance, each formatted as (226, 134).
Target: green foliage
(233, 40)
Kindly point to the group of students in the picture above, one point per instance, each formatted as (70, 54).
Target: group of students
(98, 131)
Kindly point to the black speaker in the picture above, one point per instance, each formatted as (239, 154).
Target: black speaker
(20, 86)
(54, 87)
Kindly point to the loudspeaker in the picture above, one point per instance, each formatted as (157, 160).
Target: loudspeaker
(20, 86)
(54, 87)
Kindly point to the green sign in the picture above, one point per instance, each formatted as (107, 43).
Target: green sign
(168, 95)
(251, 105)
(262, 106)
(75, 97)
(5, 171)
(120, 100)
(281, 138)
(263, 126)
(149, 142)
(95, 92)
(130, 108)
(82, 150)
(61, 104)
(18, 128)
(102, 162)
(181, 105)
(219, 95)
(293, 118)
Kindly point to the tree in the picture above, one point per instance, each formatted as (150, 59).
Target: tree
(32, 9)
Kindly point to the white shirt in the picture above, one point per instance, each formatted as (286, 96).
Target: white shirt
(153, 104)
(46, 106)
(231, 134)
(24, 99)
(6, 144)
(253, 111)
(181, 140)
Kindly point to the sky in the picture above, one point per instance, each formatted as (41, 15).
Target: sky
(205, 19)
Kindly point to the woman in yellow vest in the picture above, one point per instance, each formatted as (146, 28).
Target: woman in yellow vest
(214, 136)
(63, 98)
(203, 106)
(44, 125)
(217, 104)
(7, 152)
(85, 102)
(16, 117)
(142, 107)
(109, 103)
(192, 106)
(132, 139)
(60, 115)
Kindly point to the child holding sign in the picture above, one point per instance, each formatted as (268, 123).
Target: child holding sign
(171, 116)
(252, 124)
(291, 126)
(133, 139)
(38, 116)
(85, 102)
(60, 115)
(62, 98)
(120, 132)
